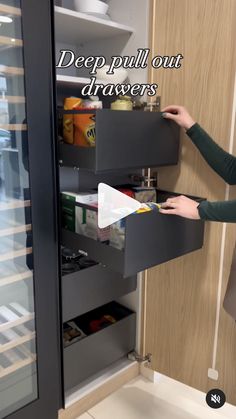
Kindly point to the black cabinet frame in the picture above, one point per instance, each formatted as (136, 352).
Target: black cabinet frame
(39, 67)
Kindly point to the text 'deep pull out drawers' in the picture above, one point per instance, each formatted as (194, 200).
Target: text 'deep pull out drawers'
(151, 238)
(124, 140)
(97, 351)
(84, 290)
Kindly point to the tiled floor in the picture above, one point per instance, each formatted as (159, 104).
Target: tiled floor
(166, 399)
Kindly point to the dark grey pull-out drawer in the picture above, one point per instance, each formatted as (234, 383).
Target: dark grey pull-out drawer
(151, 238)
(126, 139)
(87, 289)
(99, 350)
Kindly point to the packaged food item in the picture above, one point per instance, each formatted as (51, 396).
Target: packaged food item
(85, 130)
(70, 103)
(72, 333)
(99, 324)
(127, 191)
(123, 103)
(144, 194)
(144, 208)
(84, 133)
(72, 214)
(149, 206)
(89, 197)
(117, 234)
(87, 224)
(92, 103)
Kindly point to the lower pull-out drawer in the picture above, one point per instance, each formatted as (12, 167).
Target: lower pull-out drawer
(84, 290)
(96, 351)
(151, 238)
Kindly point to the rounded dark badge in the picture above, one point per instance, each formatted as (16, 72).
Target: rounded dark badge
(215, 398)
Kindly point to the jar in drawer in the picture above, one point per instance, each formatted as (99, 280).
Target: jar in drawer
(84, 130)
(84, 124)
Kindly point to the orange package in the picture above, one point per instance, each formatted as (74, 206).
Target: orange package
(84, 130)
(70, 103)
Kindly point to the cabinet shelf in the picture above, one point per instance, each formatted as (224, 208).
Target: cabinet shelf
(15, 230)
(15, 254)
(13, 99)
(12, 42)
(10, 10)
(17, 342)
(17, 366)
(14, 204)
(14, 127)
(74, 27)
(11, 279)
(21, 320)
(11, 71)
(71, 80)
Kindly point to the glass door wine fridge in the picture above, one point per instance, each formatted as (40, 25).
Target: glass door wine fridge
(29, 337)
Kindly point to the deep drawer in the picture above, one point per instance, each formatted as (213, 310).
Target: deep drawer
(87, 289)
(126, 139)
(97, 351)
(151, 238)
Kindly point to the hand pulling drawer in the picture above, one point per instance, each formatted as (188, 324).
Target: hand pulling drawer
(151, 238)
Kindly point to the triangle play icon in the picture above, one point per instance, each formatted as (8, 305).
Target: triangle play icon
(113, 205)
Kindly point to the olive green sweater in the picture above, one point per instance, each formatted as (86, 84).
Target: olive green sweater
(222, 163)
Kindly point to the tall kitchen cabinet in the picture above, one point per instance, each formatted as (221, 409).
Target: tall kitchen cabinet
(29, 337)
(126, 144)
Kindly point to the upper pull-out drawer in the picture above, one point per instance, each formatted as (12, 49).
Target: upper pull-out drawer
(151, 238)
(126, 139)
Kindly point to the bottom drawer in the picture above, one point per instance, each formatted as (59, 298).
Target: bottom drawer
(98, 350)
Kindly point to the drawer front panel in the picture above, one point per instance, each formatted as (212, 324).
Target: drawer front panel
(94, 353)
(89, 288)
(126, 139)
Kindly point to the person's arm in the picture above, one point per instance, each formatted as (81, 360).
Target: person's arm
(220, 161)
(224, 211)
(183, 206)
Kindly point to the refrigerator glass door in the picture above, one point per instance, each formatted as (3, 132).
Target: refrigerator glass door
(18, 355)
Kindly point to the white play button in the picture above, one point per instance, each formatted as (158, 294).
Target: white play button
(113, 205)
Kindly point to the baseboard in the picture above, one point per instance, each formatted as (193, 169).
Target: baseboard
(91, 398)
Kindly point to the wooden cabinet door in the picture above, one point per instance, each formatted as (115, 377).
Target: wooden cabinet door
(186, 328)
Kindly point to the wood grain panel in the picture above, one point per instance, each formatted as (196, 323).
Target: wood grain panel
(182, 295)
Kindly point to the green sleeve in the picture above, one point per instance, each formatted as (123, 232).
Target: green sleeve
(220, 161)
(224, 211)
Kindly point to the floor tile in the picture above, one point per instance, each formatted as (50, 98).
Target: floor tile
(85, 416)
(141, 399)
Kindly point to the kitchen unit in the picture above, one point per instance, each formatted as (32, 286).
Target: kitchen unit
(127, 142)
(56, 374)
